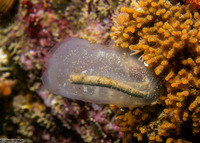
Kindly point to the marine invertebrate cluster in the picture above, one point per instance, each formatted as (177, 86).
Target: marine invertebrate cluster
(25, 40)
(168, 37)
(90, 72)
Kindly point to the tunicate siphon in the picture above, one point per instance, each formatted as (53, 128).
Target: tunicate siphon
(100, 74)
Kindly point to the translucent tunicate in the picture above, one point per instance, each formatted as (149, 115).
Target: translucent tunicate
(96, 73)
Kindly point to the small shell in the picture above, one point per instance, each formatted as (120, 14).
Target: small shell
(94, 73)
(6, 5)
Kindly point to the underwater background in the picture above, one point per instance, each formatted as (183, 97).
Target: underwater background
(164, 34)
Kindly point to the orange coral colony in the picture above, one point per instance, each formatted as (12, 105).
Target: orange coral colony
(168, 36)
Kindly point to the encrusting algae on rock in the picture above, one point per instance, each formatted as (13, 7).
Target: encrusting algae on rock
(168, 37)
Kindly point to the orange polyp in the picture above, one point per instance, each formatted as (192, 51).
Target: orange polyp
(123, 9)
(196, 15)
(158, 12)
(130, 10)
(170, 53)
(184, 81)
(190, 76)
(175, 8)
(191, 62)
(182, 72)
(159, 24)
(193, 40)
(178, 33)
(149, 17)
(178, 104)
(198, 59)
(196, 24)
(161, 2)
(113, 28)
(7, 91)
(125, 35)
(123, 17)
(166, 26)
(154, 4)
(184, 31)
(152, 138)
(175, 24)
(164, 63)
(184, 37)
(139, 20)
(177, 14)
(187, 15)
(152, 10)
(145, 47)
(185, 116)
(188, 22)
(171, 39)
(197, 48)
(124, 45)
(166, 34)
(176, 45)
(142, 3)
(159, 69)
(145, 30)
(146, 57)
(139, 25)
(198, 35)
(185, 93)
(194, 32)
(135, 15)
(161, 30)
(168, 13)
(173, 33)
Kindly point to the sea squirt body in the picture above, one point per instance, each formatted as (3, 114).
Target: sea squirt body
(95, 73)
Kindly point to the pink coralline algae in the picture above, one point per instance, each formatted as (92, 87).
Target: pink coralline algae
(42, 23)
(91, 121)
